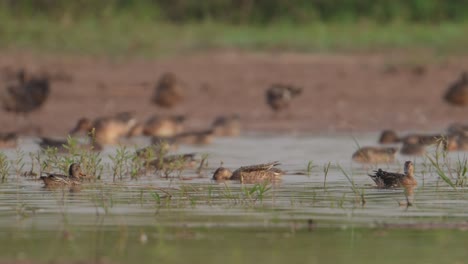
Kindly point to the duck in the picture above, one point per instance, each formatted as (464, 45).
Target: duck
(168, 91)
(413, 147)
(203, 137)
(453, 142)
(458, 129)
(389, 137)
(456, 142)
(385, 179)
(107, 130)
(462, 143)
(375, 155)
(279, 96)
(24, 94)
(250, 174)
(415, 144)
(457, 92)
(164, 126)
(425, 139)
(227, 126)
(171, 161)
(59, 144)
(154, 150)
(74, 177)
(8, 140)
(135, 131)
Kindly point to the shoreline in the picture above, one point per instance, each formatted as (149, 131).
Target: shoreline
(352, 93)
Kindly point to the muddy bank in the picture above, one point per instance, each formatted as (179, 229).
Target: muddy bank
(342, 93)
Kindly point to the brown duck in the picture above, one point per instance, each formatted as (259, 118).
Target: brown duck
(385, 179)
(375, 155)
(61, 144)
(177, 160)
(168, 91)
(458, 129)
(279, 96)
(58, 180)
(164, 126)
(154, 150)
(457, 93)
(204, 137)
(389, 137)
(413, 149)
(24, 94)
(227, 126)
(250, 174)
(107, 130)
(8, 140)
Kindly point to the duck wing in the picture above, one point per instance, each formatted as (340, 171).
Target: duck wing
(259, 172)
(58, 179)
(259, 167)
(386, 179)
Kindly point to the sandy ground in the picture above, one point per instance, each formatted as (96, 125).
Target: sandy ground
(342, 93)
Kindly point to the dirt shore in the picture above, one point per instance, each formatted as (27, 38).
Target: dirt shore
(342, 93)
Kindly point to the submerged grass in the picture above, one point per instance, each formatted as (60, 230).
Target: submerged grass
(4, 167)
(359, 193)
(124, 35)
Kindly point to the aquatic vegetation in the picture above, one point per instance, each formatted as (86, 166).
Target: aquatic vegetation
(439, 161)
(4, 167)
(359, 193)
(119, 163)
(326, 169)
(461, 170)
(256, 192)
(310, 166)
(123, 199)
(19, 162)
(203, 164)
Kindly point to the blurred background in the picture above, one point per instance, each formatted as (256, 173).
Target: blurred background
(160, 26)
(391, 58)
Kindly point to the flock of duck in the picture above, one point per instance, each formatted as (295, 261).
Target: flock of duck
(455, 139)
(23, 93)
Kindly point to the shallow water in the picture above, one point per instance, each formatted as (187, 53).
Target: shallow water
(160, 208)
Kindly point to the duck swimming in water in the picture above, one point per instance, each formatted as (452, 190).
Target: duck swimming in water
(375, 155)
(58, 180)
(385, 179)
(250, 174)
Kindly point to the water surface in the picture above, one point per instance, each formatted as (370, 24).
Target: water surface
(189, 215)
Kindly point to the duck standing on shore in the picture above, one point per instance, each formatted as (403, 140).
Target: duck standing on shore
(168, 91)
(279, 96)
(457, 93)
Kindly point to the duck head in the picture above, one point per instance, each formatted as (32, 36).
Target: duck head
(222, 174)
(75, 170)
(83, 125)
(388, 137)
(409, 168)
